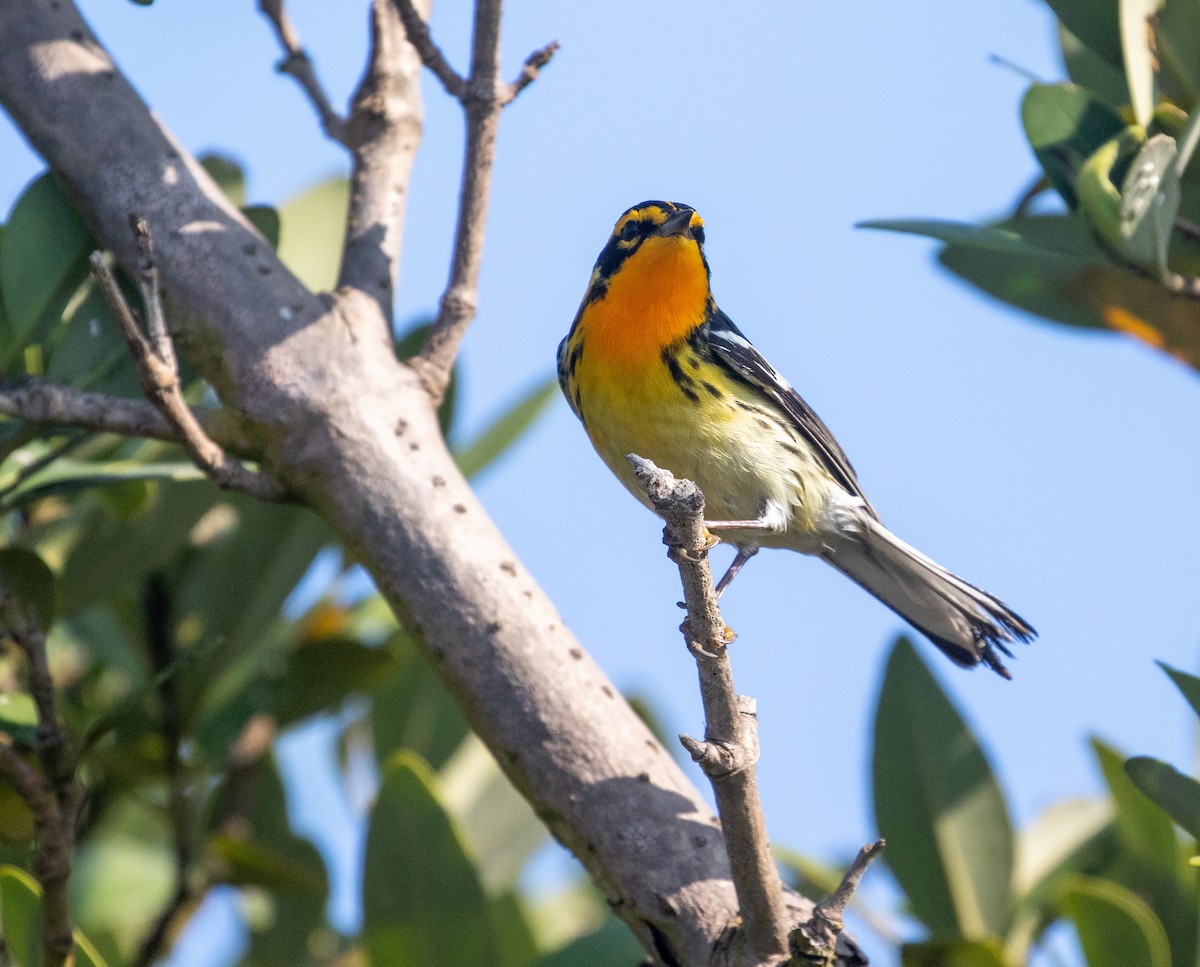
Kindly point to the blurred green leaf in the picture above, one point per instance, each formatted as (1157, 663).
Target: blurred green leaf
(18, 717)
(90, 352)
(1150, 198)
(321, 673)
(1095, 22)
(1178, 795)
(1099, 199)
(609, 945)
(1066, 125)
(505, 429)
(955, 953)
(510, 928)
(1116, 928)
(43, 259)
(499, 827)
(21, 916)
(250, 864)
(310, 235)
(422, 902)
(1189, 685)
(1055, 846)
(266, 219)
(1006, 237)
(67, 476)
(950, 841)
(1135, 18)
(1144, 828)
(25, 577)
(412, 710)
(408, 344)
(1089, 69)
(228, 175)
(1178, 42)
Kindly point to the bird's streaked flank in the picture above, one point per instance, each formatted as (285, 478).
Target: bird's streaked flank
(651, 366)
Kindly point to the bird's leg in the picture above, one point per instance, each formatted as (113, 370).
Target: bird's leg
(743, 555)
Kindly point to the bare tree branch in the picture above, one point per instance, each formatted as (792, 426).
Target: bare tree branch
(159, 373)
(298, 64)
(383, 132)
(482, 97)
(730, 750)
(817, 936)
(529, 71)
(431, 55)
(39, 401)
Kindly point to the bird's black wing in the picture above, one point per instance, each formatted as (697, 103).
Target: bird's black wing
(745, 362)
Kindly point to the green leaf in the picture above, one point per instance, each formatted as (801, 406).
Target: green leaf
(408, 344)
(1135, 17)
(511, 930)
(412, 710)
(324, 672)
(310, 235)
(505, 429)
(955, 953)
(90, 352)
(1095, 22)
(1116, 927)
(43, 259)
(1150, 198)
(1189, 685)
(1178, 42)
(1088, 69)
(266, 219)
(1178, 795)
(228, 175)
(1065, 125)
(1146, 830)
(69, 476)
(21, 915)
(1007, 237)
(18, 717)
(422, 901)
(25, 577)
(499, 827)
(251, 864)
(950, 841)
(1057, 844)
(609, 945)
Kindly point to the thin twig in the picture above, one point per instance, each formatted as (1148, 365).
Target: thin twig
(53, 794)
(159, 377)
(431, 55)
(482, 97)
(730, 750)
(298, 65)
(529, 71)
(817, 937)
(383, 132)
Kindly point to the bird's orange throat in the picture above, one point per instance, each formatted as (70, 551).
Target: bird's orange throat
(658, 296)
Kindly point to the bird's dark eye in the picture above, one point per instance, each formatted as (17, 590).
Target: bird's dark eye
(630, 231)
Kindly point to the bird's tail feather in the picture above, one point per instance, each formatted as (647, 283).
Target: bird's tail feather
(969, 625)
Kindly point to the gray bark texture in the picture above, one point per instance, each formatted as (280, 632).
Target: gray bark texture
(324, 406)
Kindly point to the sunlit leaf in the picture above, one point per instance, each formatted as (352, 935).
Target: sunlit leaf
(955, 953)
(422, 901)
(18, 717)
(950, 841)
(1116, 927)
(310, 234)
(1178, 795)
(1135, 18)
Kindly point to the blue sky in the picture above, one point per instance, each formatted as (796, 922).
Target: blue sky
(1052, 468)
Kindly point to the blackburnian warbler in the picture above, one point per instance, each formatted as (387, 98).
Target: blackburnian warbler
(651, 366)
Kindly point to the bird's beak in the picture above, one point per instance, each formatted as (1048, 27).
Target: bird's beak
(678, 224)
